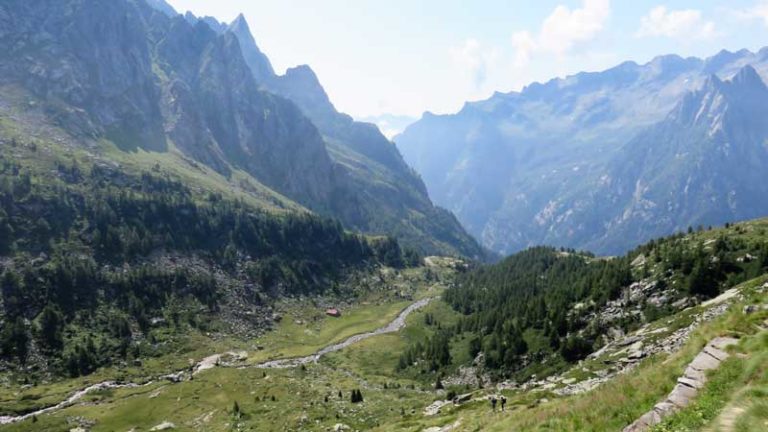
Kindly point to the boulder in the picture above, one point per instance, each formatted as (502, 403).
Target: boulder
(629, 340)
(639, 261)
(462, 398)
(684, 303)
(665, 408)
(166, 425)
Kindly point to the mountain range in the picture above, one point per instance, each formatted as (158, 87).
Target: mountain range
(603, 160)
(145, 79)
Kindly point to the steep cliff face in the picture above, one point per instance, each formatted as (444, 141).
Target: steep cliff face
(376, 190)
(91, 63)
(144, 77)
(256, 60)
(211, 90)
(136, 76)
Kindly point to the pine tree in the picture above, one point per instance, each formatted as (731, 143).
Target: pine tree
(51, 326)
(439, 384)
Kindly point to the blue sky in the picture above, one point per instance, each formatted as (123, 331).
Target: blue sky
(408, 56)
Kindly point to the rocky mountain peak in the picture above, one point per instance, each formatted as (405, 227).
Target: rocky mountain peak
(726, 108)
(763, 53)
(748, 77)
(724, 57)
(301, 85)
(260, 65)
(712, 83)
(162, 6)
(240, 20)
(305, 77)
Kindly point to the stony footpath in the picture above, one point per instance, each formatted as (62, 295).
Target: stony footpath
(687, 386)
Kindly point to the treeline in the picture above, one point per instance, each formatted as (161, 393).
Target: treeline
(535, 289)
(52, 304)
(552, 295)
(81, 240)
(119, 218)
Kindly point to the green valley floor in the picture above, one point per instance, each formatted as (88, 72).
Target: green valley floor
(235, 392)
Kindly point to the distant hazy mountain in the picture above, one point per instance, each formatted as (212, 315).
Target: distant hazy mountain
(544, 165)
(145, 78)
(390, 124)
(163, 7)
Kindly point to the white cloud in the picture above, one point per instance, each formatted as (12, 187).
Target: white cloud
(685, 23)
(524, 45)
(562, 30)
(475, 60)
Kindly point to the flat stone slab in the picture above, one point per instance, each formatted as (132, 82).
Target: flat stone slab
(687, 386)
(704, 362)
(681, 395)
(722, 343)
(665, 407)
(727, 295)
(695, 374)
(697, 384)
(716, 353)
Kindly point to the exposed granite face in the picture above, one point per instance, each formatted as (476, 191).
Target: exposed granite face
(214, 99)
(92, 64)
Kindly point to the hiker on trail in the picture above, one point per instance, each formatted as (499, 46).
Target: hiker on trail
(503, 402)
(493, 403)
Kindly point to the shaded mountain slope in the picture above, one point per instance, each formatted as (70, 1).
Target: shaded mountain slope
(382, 193)
(507, 164)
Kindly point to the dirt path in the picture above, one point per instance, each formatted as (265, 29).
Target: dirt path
(726, 421)
(397, 324)
(213, 360)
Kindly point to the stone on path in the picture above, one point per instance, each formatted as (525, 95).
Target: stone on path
(687, 386)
